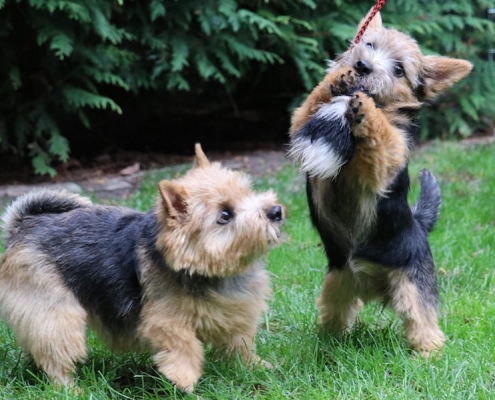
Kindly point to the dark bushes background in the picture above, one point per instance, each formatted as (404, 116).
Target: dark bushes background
(159, 75)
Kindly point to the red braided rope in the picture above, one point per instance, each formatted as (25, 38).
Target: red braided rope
(378, 6)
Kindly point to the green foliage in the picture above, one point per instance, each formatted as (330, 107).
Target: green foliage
(57, 55)
(62, 57)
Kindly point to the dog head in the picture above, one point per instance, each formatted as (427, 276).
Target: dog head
(213, 223)
(392, 68)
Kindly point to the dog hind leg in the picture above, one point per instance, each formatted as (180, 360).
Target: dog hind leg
(48, 321)
(417, 306)
(60, 343)
(339, 303)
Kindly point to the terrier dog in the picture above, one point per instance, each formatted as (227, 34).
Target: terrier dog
(186, 273)
(352, 137)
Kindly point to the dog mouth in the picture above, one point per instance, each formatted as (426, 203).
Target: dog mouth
(365, 83)
(274, 236)
(374, 86)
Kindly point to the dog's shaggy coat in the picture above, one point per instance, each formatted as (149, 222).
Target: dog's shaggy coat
(186, 273)
(352, 137)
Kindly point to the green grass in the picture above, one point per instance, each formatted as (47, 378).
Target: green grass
(372, 362)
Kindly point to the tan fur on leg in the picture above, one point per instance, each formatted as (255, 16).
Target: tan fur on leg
(420, 320)
(182, 360)
(178, 353)
(48, 321)
(339, 303)
(245, 347)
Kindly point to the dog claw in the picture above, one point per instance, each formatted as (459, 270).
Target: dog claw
(350, 77)
(343, 84)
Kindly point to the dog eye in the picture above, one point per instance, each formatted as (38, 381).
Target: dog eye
(370, 45)
(225, 217)
(398, 70)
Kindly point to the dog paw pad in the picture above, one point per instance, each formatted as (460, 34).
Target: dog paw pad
(355, 113)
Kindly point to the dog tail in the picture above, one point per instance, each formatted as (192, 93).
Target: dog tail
(36, 202)
(427, 208)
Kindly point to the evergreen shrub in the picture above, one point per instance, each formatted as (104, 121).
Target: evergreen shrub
(59, 57)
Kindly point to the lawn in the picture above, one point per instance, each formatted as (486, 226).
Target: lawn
(371, 362)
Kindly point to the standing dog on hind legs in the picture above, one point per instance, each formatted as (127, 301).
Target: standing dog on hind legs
(352, 137)
(185, 273)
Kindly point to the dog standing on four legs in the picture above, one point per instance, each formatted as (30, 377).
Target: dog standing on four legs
(352, 137)
(188, 272)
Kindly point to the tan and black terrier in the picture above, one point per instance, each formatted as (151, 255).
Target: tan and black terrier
(352, 137)
(186, 273)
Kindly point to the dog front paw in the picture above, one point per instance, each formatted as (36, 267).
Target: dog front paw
(361, 111)
(184, 380)
(355, 111)
(182, 368)
(344, 83)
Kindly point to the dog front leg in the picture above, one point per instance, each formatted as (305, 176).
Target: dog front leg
(381, 149)
(335, 83)
(242, 345)
(179, 358)
(245, 347)
(321, 139)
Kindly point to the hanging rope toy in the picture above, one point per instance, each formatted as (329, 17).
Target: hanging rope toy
(378, 6)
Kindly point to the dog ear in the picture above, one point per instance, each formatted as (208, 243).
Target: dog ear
(200, 161)
(375, 23)
(440, 73)
(174, 200)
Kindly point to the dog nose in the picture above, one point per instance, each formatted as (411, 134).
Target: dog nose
(363, 67)
(275, 213)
